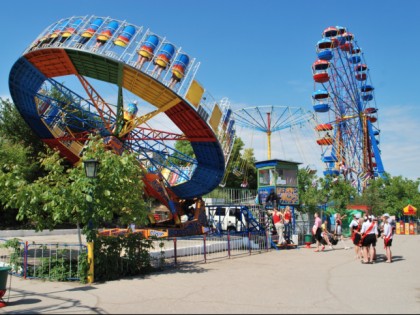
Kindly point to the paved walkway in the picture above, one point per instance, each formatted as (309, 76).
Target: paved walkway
(288, 281)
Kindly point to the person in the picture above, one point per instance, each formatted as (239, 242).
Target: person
(338, 229)
(326, 234)
(287, 222)
(272, 199)
(355, 236)
(278, 223)
(316, 231)
(190, 213)
(373, 245)
(368, 233)
(387, 235)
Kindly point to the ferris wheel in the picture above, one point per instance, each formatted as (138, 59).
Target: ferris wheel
(345, 107)
(97, 75)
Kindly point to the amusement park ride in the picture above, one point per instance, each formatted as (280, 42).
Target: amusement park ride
(95, 55)
(101, 58)
(344, 101)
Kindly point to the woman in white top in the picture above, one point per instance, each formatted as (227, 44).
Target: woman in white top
(387, 236)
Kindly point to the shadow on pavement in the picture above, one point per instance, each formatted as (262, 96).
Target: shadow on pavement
(51, 302)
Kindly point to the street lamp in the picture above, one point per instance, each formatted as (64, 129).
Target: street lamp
(91, 168)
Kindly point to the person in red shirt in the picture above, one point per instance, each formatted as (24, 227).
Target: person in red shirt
(287, 223)
(278, 223)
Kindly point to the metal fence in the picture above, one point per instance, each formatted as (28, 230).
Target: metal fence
(236, 196)
(61, 262)
(207, 248)
(53, 261)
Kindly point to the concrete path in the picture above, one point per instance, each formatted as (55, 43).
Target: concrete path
(288, 281)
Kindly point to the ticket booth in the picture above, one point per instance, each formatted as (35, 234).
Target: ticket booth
(281, 177)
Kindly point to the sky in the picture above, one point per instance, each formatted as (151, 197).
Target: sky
(259, 53)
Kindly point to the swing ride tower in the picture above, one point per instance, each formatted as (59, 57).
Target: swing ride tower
(272, 119)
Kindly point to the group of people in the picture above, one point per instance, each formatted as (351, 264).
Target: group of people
(324, 237)
(365, 232)
(282, 220)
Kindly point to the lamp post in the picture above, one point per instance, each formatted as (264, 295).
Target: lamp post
(91, 171)
(91, 168)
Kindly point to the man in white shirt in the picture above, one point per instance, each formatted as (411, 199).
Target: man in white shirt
(369, 233)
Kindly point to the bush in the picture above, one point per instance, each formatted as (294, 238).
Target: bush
(120, 256)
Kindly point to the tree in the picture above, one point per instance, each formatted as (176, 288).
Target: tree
(14, 128)
(316, 192)
(15, 168)
(243, 161)
(184, 148)
(19, 150)
(308, 191)
(339, 193)
(396, 193)
(67, 195)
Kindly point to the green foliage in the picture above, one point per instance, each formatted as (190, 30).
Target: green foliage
(242, 160)
(83, 267)
(67, 195)
(184, 148)
(19, 148)
(14, 128)
(59, 267)
(16, 257)
(391, 195)
(121, 256)
(309, 191)
(338, 193)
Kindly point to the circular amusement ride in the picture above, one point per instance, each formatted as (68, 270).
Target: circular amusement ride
(137, 90)
(343, 100)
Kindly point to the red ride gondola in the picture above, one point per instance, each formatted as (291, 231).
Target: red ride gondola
(324, 127)
(320, 71)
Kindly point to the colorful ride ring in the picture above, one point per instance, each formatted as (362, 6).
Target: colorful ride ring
(61, 128)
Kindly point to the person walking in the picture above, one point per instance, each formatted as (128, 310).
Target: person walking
(338, 229)
(317, 231)
(326, 234)
(387, 235)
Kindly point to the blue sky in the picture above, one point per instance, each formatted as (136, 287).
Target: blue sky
(260, 52)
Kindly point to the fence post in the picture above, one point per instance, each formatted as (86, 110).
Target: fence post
(175, 254)
(91, 275)
(205, 251)
(249, 242)
(266, 240)
(25, 259)
(228, 244)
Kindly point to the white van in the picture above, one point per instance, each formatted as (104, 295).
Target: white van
(225, 218)
(230, 218)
